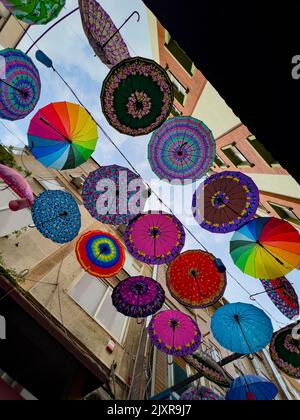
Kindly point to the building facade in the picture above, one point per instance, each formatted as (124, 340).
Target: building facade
(237, 148)
(11, 29)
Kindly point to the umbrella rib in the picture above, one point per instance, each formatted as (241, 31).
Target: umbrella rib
(54, 129)
(13, 87)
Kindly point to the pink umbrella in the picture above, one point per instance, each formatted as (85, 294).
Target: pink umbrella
(19, 185)
(174, 333)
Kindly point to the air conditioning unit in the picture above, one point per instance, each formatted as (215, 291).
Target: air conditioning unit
(78, 181)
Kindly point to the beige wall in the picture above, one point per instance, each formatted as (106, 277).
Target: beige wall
(11, 32)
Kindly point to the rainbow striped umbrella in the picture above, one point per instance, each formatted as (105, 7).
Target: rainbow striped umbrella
(266, 248)
(62, 135)
(35, 12)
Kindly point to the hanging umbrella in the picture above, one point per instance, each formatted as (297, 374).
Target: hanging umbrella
(174, 333)
(283, 295)
(183, 148)
(285, 350)
(102, 33)
(195, 280)
(155, 238)
(200, 393)
(137, 96)
(266, 248)
(138, 297)
(20, 85)
(19, 185)
(251, 388)
(225, 202)
(100, 254)
(209, 368)
(118, 206)
(62, 135)
(35, 12)
(242, 328)
(56, 215)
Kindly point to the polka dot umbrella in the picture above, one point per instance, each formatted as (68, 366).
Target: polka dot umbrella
(183, 149)
(35, 12)
(20, 85)
(100, 254)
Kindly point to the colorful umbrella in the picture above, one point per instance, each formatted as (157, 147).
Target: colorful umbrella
(62, 135)
(183, 148)
(35, 12)
(137, 96)
(19, 185)
(285, 350)
(266, 248)
(209, 368)
(20, 85)
(56, 215)
(242, 328)
(100, 254)
(138, 297)
(195, 280)
(174, 333)
(283, 295)
(225, 202)
(102, 34)
(121, 203)
(155, 238)
(251, 388)
(200, 393)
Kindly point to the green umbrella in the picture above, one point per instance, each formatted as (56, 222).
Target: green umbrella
(35, 12)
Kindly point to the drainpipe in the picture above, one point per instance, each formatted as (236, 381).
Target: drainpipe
(277, 375)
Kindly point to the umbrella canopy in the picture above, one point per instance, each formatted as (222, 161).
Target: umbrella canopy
(118, 206)
(137, 96)
(225, 202)
(194, 279)
(209, 368)
(154, 238)
(35, 12)
(138, 297)
(242, 328)
(174, 333)
(20, 85)
(62, 135)
(200, 393)
(252, 388)
(266, 248)
(100, 254)
(19, 185)
(99, 29)
(183, 148)
(283, 295)
(56, 215)
(285, 350)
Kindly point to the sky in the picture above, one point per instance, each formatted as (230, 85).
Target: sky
(72, 56)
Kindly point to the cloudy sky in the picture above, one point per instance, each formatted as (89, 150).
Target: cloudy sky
(74, 59)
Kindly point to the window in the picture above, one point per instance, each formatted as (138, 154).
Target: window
(177, 372)
(179, 55)
(285, 213)
(263, 209)
(220, 162)
(175, 111)
(235, 156)
(209, 348)
(94, 297)
(51, 184)
(180, 92)
(262, 151)
(132, 266)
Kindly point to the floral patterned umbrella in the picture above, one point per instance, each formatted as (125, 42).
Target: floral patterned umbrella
(195, 280)
(102, 33)
(35, 12)
(137, 96)
(155, 238)
(205, 365)
(118, 206)
(100, 254)
(183, 148)
(200, 393)
(225, 202)
(138, 297)
(285, 350)
(20, 85)
(174, 333)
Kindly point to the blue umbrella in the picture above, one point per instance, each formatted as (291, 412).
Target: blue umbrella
(56, 215)
(242, 328)
(251, 388)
